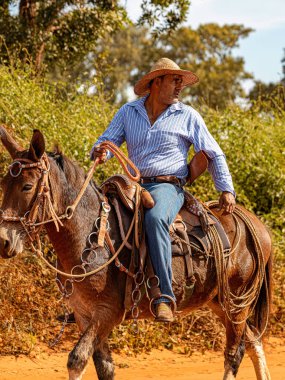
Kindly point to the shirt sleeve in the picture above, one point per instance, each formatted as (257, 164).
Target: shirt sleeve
(202, 139)
(115, 132)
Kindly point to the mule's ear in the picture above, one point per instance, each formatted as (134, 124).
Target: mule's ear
(37, 146)
(9, 143)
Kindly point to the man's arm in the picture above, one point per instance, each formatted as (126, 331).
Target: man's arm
(220, 173)
(115, 133)
(218, 168)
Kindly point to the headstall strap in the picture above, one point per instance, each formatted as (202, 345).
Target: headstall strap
(15, 170)
(19, 166)
(43, 189)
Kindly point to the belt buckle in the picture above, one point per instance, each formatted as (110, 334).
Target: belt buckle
(152, 179)
(177, 181)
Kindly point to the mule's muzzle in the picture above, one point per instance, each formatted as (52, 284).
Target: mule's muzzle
(6, 251)
(10, 243)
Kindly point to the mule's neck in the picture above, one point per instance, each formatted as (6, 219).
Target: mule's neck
(70, 241)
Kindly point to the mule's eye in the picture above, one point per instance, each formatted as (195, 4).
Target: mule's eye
(27, 187)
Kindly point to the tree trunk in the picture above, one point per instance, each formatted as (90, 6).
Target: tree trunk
(28, 12)
(39, 58)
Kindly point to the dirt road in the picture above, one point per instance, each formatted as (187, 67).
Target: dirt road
(156, 365)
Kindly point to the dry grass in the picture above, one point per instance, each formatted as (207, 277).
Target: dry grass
(30, 303)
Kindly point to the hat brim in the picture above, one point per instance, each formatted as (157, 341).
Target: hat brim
(142, 86)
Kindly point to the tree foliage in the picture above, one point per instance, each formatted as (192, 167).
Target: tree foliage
(57, 31)
(75, 40)
(166, 13)
(268, 95)
(207, 51)
(63, 32)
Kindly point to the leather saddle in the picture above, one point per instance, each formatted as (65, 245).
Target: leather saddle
(193, 218)
(189, 234)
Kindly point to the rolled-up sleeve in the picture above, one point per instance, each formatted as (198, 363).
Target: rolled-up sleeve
(202, 139)
(115, 132)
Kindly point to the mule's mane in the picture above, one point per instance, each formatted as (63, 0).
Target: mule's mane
(72, 171)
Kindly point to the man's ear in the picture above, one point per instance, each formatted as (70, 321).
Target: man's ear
(157, 81)
(37, 146)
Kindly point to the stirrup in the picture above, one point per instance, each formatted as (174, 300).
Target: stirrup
(151, 308)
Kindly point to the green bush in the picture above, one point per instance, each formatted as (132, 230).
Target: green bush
(73, 119)
(253, 143)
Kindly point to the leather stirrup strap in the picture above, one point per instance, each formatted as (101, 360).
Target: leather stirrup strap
(115, 203)
(103, 223)
(182, 234)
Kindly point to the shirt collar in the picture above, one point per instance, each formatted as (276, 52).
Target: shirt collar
(139, 104)
(176, 107)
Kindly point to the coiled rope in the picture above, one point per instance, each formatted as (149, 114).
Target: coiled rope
(231, 303)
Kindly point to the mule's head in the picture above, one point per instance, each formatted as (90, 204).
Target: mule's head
(20, 189)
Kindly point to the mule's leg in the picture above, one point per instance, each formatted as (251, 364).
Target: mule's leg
(235, 348)
(103, 362)
(78, 357)
(235, 342)
(255, 351)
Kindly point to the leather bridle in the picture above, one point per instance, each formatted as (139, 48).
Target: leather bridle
(32, 221)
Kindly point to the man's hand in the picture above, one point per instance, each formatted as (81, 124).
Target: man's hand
(100, 153)
(227, 202)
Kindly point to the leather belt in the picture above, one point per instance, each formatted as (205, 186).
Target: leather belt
(163, 178)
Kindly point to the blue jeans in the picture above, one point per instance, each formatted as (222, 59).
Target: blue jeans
(168, 199)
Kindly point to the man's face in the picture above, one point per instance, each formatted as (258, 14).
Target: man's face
(169, 88)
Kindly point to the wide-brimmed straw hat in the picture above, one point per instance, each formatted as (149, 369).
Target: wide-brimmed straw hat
(162, 67)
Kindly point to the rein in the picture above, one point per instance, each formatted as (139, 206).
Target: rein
(32, 225)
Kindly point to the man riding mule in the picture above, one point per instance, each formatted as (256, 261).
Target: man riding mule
(159, 131)
(49, 191)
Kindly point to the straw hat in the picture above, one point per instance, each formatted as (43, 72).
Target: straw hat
(162, 67)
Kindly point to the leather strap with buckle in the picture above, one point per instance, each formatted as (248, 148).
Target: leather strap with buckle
(163, 178)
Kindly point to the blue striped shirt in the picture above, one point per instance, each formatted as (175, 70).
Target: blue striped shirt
(162, 148)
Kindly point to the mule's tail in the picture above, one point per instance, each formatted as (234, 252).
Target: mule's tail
(262, 309)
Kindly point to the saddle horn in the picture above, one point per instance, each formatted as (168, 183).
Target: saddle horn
(9, 143)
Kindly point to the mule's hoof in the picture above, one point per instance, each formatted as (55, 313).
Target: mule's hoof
(164, 313)
(70, 318)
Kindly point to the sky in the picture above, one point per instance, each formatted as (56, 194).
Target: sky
(263, 49)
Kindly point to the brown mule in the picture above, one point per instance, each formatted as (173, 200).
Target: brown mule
(98, 301)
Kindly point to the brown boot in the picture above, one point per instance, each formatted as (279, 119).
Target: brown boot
(164, 312)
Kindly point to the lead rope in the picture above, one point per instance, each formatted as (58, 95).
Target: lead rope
(85, 274)
(108, 145)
